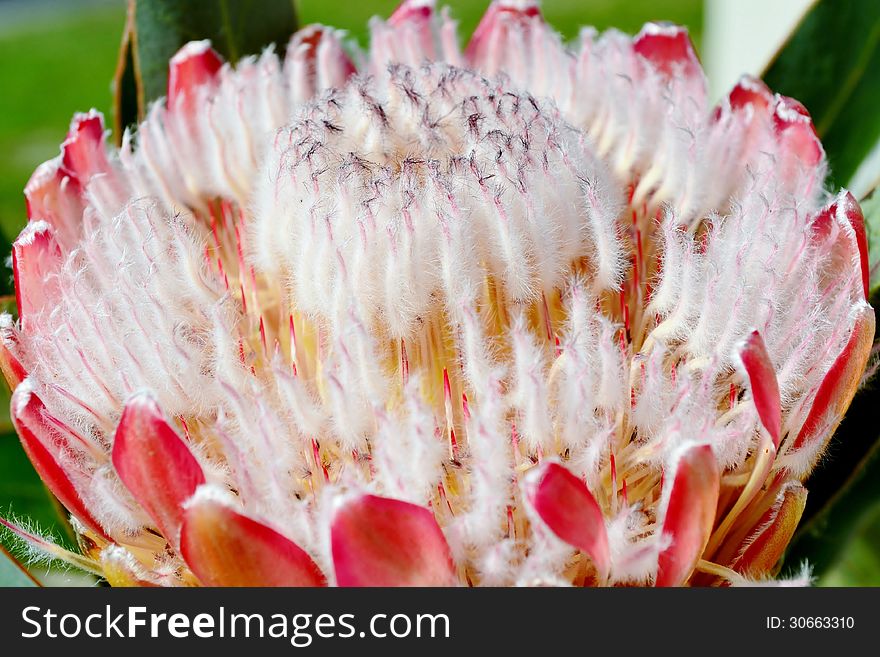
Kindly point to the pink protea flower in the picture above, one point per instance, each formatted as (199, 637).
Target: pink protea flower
(528, 313)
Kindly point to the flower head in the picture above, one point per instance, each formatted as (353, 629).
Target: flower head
(527, 313)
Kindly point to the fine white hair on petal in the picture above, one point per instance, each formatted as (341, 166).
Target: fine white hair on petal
(409, 453)
(214, 494)
(802, 577)
(344, 198)
(633, 557)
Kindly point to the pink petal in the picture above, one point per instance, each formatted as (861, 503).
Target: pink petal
(225, 548)
(669, 49)
(36, 259)
(10, 365)
(853, 212)
(83, 153)
(764, 547)
(412, 11)
(41, 440)
(765, 388)
(750, 92)
(841, 382)
(845, 208)
(155, 464)
(690, 514)
(490, 44)
(795, 132)
(53, 196)
(194, 65)
(378, 541)
(416, 15)
(568, 508)
(316, 61)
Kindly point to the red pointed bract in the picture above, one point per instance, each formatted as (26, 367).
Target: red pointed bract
(83, 153)
(226, 548)
(41, 443)
(853, 213)
(567, 507)
(765, 387)
(668, 48)
(841, 382)
(194, 65)
(155, 464)
(750, 92)
(690, 514)
(795, 131)
(378, 541)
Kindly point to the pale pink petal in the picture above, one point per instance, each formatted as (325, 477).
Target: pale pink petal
(36, 260)
(412, 26)
(378, 541)
(502, 36)
(53, 196)
(315, 61)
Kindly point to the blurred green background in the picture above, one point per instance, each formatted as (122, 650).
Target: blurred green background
(58, 57)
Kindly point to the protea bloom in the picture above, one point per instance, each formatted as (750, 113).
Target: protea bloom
(526, 313)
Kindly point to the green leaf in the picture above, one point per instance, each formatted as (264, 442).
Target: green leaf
(126, 107)
(831, 63)
(22, 493)
(13, 573)
(838, 517)
(158, 28)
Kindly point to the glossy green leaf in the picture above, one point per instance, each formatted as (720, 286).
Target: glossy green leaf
(158, 28)
(13, 573)
(831, 63)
